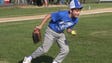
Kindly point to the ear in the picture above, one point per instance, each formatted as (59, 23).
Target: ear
(70, 10)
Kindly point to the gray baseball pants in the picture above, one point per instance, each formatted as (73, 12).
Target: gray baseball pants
(49, 38)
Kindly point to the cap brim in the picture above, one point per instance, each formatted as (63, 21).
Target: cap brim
(77, 8)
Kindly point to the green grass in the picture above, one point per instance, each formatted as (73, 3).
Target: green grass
(16, 11)
(92, 44)
(97, 6)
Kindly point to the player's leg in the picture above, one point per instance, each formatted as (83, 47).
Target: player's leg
(64, 49)
(47, 43)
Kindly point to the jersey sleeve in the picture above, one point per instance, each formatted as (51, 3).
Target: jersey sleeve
(55, 16)
(75, 22)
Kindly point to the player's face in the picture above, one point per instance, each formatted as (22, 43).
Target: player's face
(76, 12)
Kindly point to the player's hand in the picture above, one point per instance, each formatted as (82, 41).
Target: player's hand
(37, 27)
(69, 30)
(36, 35)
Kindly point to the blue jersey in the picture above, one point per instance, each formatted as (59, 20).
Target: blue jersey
(61, 20)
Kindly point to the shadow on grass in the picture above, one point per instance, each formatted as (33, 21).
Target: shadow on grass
(41, 59)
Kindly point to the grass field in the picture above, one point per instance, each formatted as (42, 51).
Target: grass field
(16, 11)
(91, 45)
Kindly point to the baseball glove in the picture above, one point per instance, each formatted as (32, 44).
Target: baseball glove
(36, 35)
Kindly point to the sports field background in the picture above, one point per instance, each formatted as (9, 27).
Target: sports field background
(91, 45)
(34, 10)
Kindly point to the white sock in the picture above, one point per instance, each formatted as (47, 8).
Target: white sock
(54, 62)
(30, 57)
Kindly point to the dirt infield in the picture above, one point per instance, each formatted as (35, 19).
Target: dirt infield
(86, 12)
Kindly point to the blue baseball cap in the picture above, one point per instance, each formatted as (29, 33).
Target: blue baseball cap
(75, 4)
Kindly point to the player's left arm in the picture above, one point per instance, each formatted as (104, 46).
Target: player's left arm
(70, 29)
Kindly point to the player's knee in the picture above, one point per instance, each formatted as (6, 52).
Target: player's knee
(66, 51)
(45, 51)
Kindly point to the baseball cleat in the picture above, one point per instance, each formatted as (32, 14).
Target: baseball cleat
(26, 60)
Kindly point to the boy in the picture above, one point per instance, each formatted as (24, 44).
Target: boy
(60, 21)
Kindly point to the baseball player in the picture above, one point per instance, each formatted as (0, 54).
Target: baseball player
(59, 21)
